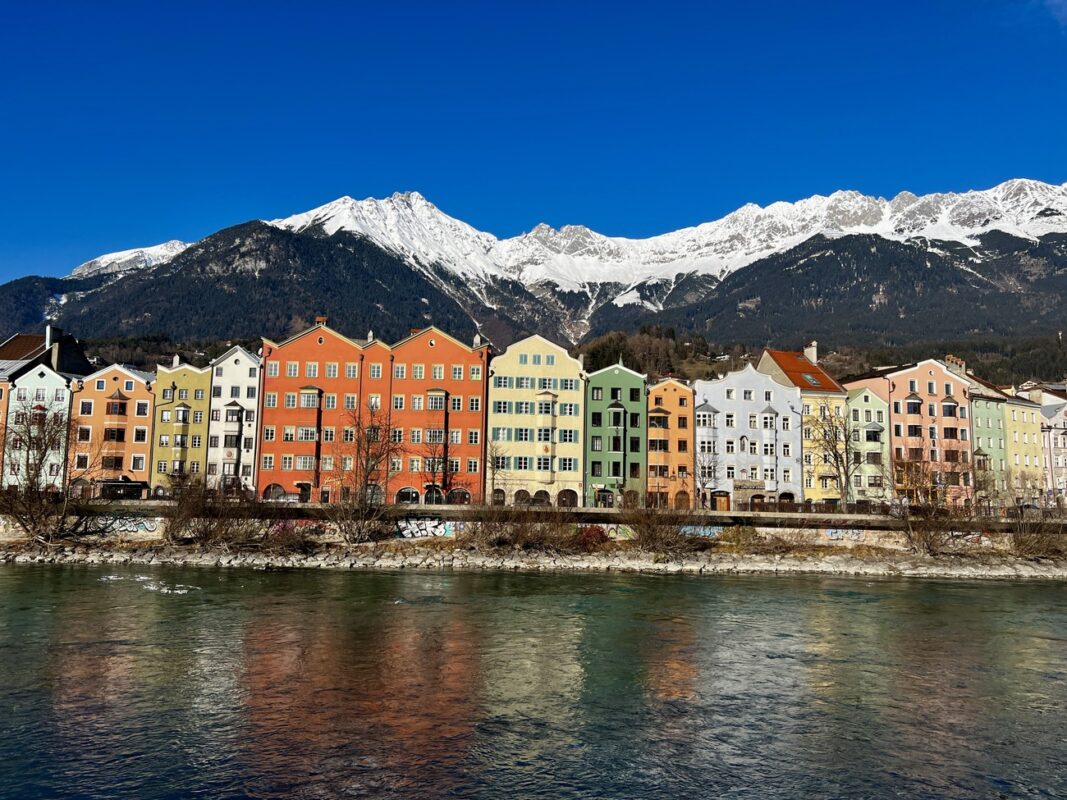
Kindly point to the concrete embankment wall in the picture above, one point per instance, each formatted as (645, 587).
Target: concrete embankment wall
(146, 522)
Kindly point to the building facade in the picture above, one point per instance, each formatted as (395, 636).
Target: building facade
(179, 436)
(930, 432)
(1054, 446)
(869, 473)
(434, 388)
(1024, 453)
(310, 394)
(671, 445)
(616, 432)
(233, 419)
(748, 445)
(823, 405)
(327, 397)
(37, 428)
(536, 425)
(112, 422)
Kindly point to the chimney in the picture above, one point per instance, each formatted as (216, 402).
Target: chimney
(956, 365)
(1035, 396)
(370, 336)
(177, 360)
(413, 331)
(321, 319)
(811, 352)
(477, 340)
(47, 336)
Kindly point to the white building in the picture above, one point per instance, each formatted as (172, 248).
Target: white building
(233, 424)
(748, 441)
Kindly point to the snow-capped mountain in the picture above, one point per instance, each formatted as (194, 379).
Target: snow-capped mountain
(982, 262)
(574, 257)
(126, 260)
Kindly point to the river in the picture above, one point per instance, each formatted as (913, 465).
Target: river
(164, 683)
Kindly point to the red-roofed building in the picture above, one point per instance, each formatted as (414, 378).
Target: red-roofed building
(823, 414)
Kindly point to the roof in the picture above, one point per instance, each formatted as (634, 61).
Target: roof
(802, 373)
(225, 356)
(619, 366)
(141, 375)
(22, 346)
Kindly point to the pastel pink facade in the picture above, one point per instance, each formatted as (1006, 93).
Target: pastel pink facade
(929, 431)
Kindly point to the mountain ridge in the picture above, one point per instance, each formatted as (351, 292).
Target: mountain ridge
(999, 255)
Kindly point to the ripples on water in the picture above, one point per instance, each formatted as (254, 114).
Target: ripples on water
(173, 683)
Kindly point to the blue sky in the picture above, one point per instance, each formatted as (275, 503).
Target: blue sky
(127, 126)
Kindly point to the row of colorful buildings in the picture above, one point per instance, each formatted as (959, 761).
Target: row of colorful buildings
(431, 419)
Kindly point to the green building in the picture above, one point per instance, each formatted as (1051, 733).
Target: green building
(616, 428)
(869, 468)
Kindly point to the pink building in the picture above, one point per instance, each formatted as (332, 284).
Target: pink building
(929, 429)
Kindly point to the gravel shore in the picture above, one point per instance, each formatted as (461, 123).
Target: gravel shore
(432, 557)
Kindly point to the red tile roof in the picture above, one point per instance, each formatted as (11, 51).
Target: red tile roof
(802, 373)
(20, 346)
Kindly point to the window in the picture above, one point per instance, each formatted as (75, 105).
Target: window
(456, 403)
(272, 369)
(746, 394)
(418, 372)
(476, 374)
(635, 395)
(292, 369)
(400, 371)
(474, 404)
(437, 372)
(376, 371)
(309, 400)
(435, 402)
(351, 370)
(544, 463)
(457, 373)
(474, 436)
(398, 402)
(596, 444)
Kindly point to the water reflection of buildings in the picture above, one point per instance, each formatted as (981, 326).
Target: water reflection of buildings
(365, 680)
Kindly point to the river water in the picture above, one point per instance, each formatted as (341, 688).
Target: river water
(154, 683)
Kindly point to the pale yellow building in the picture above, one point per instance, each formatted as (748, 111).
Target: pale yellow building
(536, 425)
(823, 419)
(1023, 450)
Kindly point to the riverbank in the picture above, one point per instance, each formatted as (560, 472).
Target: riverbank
(438, 555)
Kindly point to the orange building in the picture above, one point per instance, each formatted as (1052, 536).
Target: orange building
(110, 455)
(310, 388)
(325, 396)
(437, 411)
(670, 445)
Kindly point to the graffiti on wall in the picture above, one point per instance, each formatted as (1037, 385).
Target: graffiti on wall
(111, 524)
(845, 534)
(709, 531)
(422, 528)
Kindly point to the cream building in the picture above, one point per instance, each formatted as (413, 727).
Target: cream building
(536, 425)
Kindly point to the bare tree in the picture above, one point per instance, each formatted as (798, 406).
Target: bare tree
(707, 473)
(924, 503)
(356, 471)
(35, 496)
(496, 469)
(440, 470)
(201, 517)
(833, 437)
